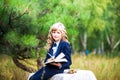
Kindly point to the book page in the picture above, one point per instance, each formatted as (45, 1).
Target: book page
(59, 58)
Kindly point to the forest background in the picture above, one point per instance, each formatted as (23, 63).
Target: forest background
(93, 28)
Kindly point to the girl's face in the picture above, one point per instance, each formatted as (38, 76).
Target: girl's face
(57, 35)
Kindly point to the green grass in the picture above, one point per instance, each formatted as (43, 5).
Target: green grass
(103, 66)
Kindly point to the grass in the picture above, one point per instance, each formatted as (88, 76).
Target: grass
(104, 67)
(9, 71)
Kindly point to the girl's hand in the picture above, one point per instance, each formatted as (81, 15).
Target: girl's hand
(56, 64)
(50, 59)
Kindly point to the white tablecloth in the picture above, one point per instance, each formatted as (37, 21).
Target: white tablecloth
(79, 75)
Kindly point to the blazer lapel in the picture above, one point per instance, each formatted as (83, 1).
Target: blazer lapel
(51, 51)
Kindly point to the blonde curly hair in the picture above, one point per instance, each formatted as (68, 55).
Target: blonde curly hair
(57, 26)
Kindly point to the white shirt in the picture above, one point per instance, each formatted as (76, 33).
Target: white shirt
(55, 48)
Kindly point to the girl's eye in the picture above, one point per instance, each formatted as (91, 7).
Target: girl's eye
(53, 32)
(58, 32)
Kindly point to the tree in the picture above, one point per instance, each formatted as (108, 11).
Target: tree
(112, 30)
(24, 25)
(21, 34)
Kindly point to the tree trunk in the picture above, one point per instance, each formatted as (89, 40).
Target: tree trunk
(102, 47)
(25, 68)
(110, 41)
(84, 41)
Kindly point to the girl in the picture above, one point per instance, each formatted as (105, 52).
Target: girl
(57, 43)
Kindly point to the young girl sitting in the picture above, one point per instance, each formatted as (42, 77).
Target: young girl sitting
(57, 43)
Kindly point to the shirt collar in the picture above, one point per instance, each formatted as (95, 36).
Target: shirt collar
(57, 43)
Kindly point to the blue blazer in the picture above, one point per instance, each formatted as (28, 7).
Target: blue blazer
(50, 70)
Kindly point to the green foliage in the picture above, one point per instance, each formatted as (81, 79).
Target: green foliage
(25, 41)
(29, 41)
(12, 37)
(96, 24)
(24, 22)
(33, 53)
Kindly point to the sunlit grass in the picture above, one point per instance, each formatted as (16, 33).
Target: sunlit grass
(104, 68)
(29, 62)
(9, 71)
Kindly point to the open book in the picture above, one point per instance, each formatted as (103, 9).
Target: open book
(59, 58)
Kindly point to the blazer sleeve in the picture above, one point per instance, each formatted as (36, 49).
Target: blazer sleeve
(48, 56)
(67, 51)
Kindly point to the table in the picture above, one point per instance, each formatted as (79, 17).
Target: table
(79, 75)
